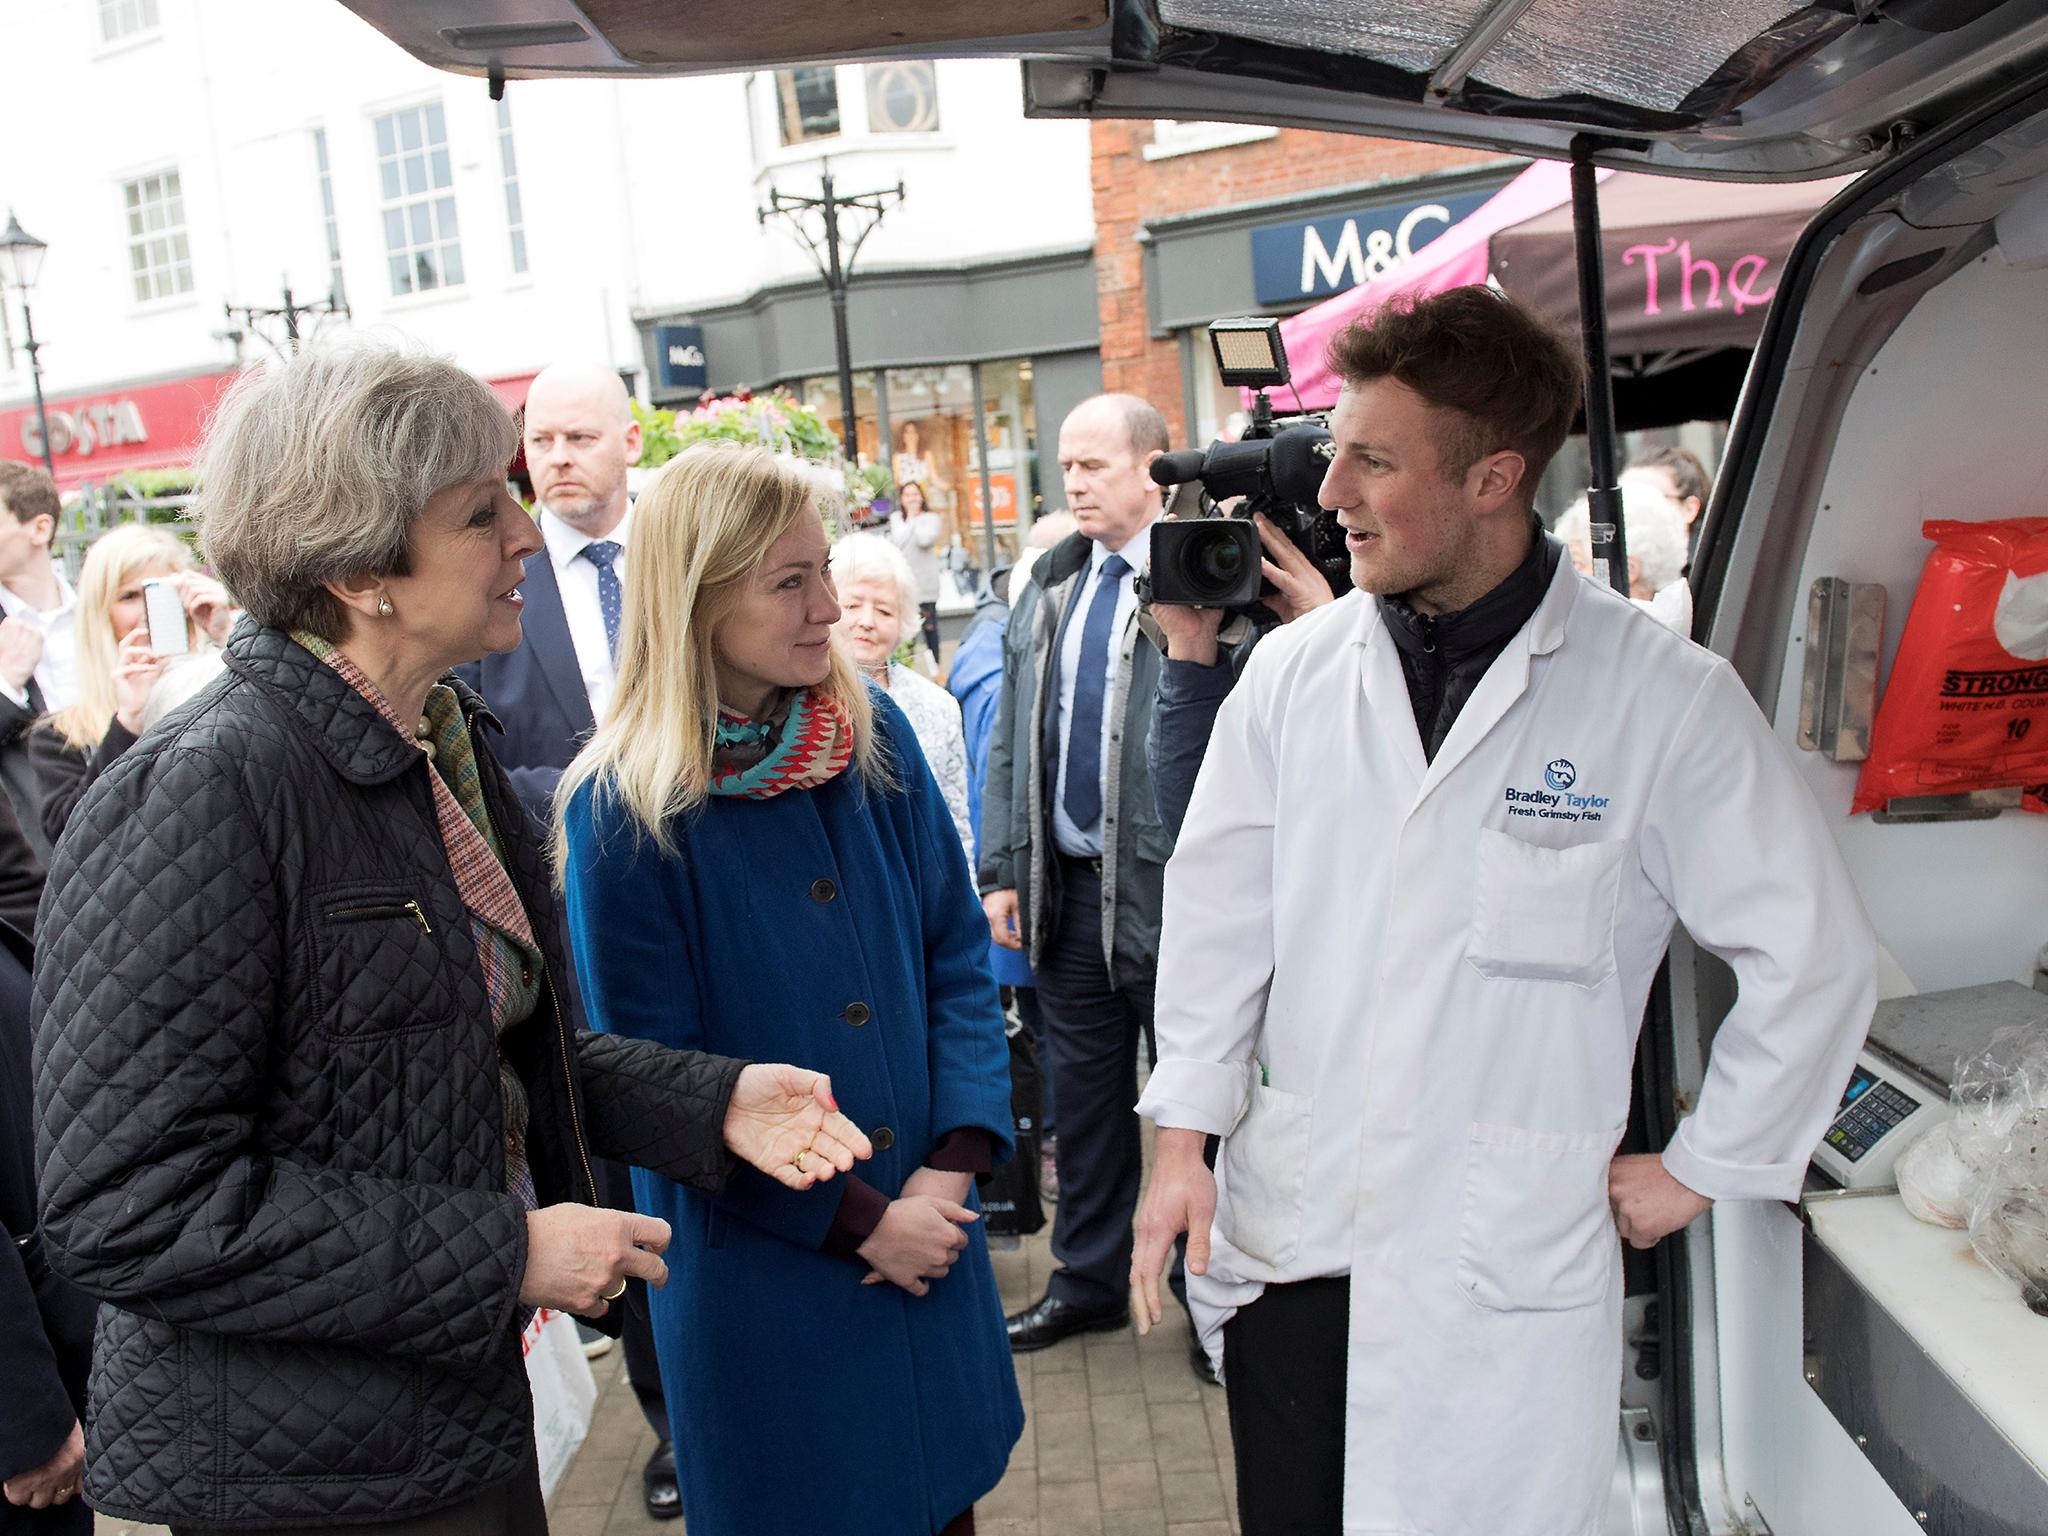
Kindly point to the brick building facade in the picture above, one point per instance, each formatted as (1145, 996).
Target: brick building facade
(1147, 176)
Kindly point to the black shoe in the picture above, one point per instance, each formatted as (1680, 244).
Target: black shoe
(1052, 1320)
(664, 1500)
(1198, 1362)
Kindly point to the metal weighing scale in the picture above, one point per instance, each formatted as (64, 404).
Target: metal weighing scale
(1900, 1087)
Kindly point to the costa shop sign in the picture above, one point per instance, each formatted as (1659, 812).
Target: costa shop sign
(97, 436)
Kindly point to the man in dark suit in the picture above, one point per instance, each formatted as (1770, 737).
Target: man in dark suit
(580, 439)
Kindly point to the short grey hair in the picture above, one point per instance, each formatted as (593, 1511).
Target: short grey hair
(871, 557)
(315, 470)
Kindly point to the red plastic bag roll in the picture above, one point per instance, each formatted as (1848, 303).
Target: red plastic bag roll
(1967, 704)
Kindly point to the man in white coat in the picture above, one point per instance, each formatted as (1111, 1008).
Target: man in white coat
(1434, 856)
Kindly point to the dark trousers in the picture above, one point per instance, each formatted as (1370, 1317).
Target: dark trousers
(1283, 1378)
(1092, 1029)
(928, 614)
(636, 1331)
(513, 1508)
(1033, 1018)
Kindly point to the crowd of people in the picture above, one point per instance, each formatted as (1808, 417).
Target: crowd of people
(415, 945)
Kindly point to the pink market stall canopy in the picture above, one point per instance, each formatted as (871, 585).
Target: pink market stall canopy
(1690, 265)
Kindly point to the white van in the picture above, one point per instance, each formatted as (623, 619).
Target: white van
(1836, 1369)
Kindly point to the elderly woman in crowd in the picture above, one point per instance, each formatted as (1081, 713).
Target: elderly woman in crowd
(1655, 528)
(757, 859)
(116, 667)
(877, 596)
(312, 1128)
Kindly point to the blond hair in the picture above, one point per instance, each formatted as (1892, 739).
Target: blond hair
(115, 558)
(698, 532)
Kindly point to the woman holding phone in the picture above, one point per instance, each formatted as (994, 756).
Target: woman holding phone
(117, 665)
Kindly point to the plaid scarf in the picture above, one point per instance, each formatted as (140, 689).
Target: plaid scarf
(506, 948)
(809, 744)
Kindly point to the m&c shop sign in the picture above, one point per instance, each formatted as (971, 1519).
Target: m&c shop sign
(1313, 258)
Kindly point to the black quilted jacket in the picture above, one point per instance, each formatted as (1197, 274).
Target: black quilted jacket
(270, 1122)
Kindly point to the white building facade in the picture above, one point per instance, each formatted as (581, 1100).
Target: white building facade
(182, 158)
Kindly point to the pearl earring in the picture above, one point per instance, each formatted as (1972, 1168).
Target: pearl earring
(384, 606)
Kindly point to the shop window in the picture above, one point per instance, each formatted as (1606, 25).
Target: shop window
(421, 240)
(903, 97)
(159, 255)
(121, 19)
(330, 226)
(508, 167)
(807, 103)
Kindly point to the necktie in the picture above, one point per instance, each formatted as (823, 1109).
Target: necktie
(1082, 793)
(602, 553)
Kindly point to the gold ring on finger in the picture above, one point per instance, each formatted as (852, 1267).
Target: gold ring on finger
(797, 1162)
(615, 1295)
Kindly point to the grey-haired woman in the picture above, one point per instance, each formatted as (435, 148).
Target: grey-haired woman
(313, 1129)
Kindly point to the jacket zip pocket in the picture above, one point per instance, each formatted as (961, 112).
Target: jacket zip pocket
(411, 909)
(569, 1091)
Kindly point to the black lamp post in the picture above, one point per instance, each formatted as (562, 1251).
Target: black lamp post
(835, 265)
(21, 261)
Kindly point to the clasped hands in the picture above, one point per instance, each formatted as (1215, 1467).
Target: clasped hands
(1647, 1202)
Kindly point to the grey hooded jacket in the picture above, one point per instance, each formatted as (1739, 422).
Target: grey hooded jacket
(1016, 817)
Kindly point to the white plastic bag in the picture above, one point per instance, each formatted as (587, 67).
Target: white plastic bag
(564, 1392)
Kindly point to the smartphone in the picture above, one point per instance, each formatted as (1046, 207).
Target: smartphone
(163, 607)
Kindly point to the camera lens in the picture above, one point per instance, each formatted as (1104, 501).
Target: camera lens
(1213, 562)
(1219, 563)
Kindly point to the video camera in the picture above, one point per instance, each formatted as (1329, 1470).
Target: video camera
(1212, 561)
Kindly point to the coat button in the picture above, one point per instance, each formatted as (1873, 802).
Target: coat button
(823, 890)
(882, 1137)
(857, 1014)
(525, 975)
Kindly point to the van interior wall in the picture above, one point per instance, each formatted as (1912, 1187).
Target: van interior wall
(1945, 422)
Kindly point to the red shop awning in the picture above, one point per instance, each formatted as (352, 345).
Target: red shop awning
(95, 437)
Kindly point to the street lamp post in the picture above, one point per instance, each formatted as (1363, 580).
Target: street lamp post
(21, 261)
(836, 268)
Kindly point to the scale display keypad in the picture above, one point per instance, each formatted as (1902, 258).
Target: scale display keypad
(1871, 1108)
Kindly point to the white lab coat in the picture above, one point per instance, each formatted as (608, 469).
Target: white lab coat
(1407, 994)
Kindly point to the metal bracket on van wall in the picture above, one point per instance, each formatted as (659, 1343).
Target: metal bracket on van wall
(1838, 691)
(1977, 805)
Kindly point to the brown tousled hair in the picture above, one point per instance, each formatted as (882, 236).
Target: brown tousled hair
(1508, 380)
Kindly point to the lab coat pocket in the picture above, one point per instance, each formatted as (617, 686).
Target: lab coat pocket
(1535, 1233)
(1264, 1166)
(1544, 914)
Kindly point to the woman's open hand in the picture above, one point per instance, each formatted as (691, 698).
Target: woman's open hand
(784, 1121)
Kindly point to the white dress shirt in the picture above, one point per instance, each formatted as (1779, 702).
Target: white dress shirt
(1137, 554)
(577, 579)
(57, 673)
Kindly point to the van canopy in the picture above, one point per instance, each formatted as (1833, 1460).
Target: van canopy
(1740, 89)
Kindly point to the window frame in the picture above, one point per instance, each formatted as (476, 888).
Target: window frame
(515, 206)
(875, 123)
(431, 198)
(787, 107)
(176, 236)
(148, 22)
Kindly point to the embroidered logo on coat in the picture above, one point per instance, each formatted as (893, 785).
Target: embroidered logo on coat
(1559, 773)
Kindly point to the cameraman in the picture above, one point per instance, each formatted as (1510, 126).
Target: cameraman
(1201, 668)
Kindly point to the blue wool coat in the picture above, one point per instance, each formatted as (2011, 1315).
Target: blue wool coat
(802, 1399)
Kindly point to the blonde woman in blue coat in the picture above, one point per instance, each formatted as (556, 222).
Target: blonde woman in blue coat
(758, 861)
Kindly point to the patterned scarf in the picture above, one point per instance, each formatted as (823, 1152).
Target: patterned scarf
(807, 743)
(506, 948)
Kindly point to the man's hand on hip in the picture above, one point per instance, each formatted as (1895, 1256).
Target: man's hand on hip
(1181, 1198)
(1001, 907)
(1649, 1204)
